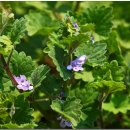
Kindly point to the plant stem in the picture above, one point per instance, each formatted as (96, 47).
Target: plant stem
(10, 57)
(6, 67)
(101, 115)
(77, 6)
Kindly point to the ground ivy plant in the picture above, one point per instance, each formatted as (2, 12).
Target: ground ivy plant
(83, 75)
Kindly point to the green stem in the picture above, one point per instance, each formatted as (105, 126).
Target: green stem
(101, 115)
(77, 6)
(10, 57)
(101, 100)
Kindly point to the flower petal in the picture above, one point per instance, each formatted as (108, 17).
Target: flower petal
(69, 67)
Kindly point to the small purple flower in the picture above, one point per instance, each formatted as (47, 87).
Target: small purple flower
(62, 94)
(68, 123)
(63, 123)
(23, 83)
(76, 65)
(75, 25)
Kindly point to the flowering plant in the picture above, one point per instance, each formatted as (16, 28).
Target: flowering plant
(77, 74)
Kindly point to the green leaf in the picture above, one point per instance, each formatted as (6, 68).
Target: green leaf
(85, 76)
(17, 30)
(5, 45)
(14, 126)
(87, 27)
(51, 86)
(37, 22)
(119, 102)
(37, 5)
(108, 86)
(5, 84)
(22, 64)
(115, 70)
(5, 101)
(23, 112)
(124, 35)
(58, 55)
(85, 93)
(80, 38)
(6, 19)
(95, 52)
(89, 118)
(100, 16)
(114, 49)
(69, 109)
(109, 71)
(39, 74)
(127, 59)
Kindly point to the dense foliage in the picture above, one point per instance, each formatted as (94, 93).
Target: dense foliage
(64, 65)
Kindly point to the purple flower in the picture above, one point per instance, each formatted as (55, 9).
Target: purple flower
(62, 94)
(23, 83)
(68, 123)
(75, 25)
(76, 65)
(65, 123)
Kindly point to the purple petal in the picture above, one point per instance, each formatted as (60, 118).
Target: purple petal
(20, 79)
(23, 78)
(23, 83)
(63, 123)
(68, 123)
(69, 67)
(76, 68)
(75, 25)
(82, 59)
(30, 88)
(20, 86)
(74, 63)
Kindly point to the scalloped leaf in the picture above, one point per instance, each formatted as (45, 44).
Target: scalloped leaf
(22, 64)
(114, 49)
(58, 55)
(100, 16)
(17, 30)
(23, 112)
(39, 74)
(85, 76)
(40, 22)
(86, 94)
(108, 86)
(109, 71)
(95, 52)
(14, 126)
(119, 102)
(5, 45)
(70, 109)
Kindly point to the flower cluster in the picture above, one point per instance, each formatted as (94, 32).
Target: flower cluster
(23, 83)
(64, 122)
(76, 65)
